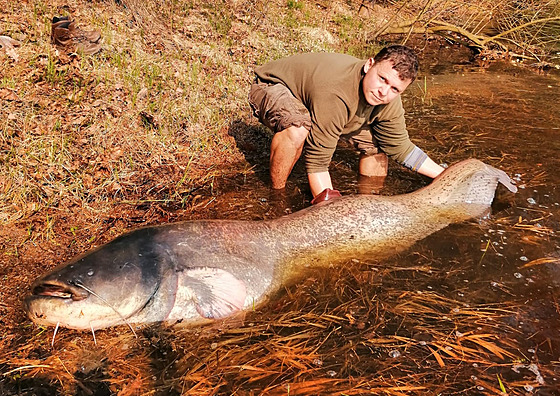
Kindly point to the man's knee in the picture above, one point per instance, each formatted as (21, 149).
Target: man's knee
(373, 165)
(296, 135)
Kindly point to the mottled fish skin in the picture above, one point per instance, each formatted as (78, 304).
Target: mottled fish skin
(195, 270)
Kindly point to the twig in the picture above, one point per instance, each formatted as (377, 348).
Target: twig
(524, 25)
(31, 366)
(420, 14)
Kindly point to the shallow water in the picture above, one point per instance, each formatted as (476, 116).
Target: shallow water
(468, 310)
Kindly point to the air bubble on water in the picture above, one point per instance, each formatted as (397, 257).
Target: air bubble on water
(535, 370)
(531, 201)
(394, 353)
(518, 275)
(331, 373)
(523, 258)
(528, 388)
(90, 272)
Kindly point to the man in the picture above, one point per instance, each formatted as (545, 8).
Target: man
(314, 99)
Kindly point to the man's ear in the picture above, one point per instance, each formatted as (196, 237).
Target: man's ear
(368, 65)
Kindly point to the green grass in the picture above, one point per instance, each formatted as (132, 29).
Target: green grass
(294, 4)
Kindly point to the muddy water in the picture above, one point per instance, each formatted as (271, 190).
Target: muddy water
(472, 309)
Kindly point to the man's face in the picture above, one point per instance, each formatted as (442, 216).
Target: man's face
(382, 84)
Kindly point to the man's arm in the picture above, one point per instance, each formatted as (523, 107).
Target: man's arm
(430, 168)
(392, 136)
(319, 181)
(323, 138)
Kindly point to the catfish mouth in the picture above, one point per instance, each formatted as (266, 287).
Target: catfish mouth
(66, 291)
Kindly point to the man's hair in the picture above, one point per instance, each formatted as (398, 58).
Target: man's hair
(404, 60)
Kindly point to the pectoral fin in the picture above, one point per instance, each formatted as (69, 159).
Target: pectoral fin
(216, 293)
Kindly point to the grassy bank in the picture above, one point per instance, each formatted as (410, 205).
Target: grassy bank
(149, 117)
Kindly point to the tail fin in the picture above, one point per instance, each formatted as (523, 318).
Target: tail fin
(469, 182)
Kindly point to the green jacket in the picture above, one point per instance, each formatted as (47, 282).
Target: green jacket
(329, 85)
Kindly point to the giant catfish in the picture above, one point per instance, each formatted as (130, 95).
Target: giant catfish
(208, 269)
